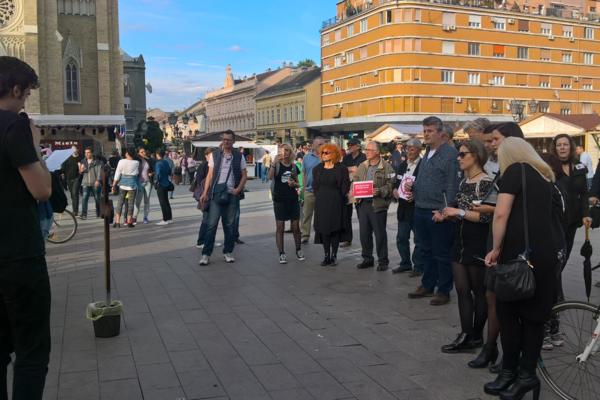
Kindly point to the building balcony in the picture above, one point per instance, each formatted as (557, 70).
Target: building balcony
(571, 13)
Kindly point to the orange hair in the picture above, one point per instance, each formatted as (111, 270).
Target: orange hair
(337, 155)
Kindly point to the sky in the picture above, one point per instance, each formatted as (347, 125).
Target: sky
(188, 43)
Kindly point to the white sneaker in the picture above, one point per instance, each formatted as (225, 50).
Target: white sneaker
(217, 244)
(228, 258)
(547, 345)
(199, 246)
(203, 260)
(169, 222)
(162, 223)
(282, 259)
(300, 255)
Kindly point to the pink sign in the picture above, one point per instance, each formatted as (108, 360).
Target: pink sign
(362, 189)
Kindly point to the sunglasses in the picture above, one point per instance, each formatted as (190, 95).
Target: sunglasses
(463, 154)
(325, 153)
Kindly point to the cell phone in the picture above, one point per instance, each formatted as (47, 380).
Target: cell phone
(479, 259)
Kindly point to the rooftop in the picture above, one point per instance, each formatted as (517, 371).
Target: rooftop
(564, 12)
(292, 83)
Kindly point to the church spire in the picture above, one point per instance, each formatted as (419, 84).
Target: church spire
(228, 77)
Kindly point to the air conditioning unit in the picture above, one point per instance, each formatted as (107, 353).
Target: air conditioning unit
(446, 28)
(452, 27)
(331, 83)
(550, 37)
(511, 21)
(375, 73)
(458, 99)
(572, 40)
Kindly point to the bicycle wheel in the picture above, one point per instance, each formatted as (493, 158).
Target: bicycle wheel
(64, 226)
(560, 368)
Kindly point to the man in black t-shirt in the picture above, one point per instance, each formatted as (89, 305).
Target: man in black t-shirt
(71, 170)
(24, 284)
(352, 160)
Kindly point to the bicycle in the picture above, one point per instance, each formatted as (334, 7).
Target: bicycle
(64, 227)
(572, 368)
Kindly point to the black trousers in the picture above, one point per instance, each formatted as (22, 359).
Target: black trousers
(570, 232)
(24, 327)
(372, 223)
(74, 186)
(165, 206)
(349, 221)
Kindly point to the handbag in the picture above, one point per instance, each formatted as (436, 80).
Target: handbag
(221, 193)
(514, 279)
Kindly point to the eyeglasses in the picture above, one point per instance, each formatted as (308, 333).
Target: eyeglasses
(325, 153)
(463, 154)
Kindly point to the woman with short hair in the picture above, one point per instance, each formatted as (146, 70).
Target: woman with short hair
(522, 321)
(126, 176)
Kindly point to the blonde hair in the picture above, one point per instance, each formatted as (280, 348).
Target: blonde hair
(292, 157)
(514, 150)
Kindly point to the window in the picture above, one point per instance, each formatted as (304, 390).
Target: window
(565, 83)
(544, 81)
(565, 109)
(278, 115)
(567, 58)
(545, 55)
(546, 29)
(473, 78)
(417, 15)
(350, 58)
(521, 80)
(447, 76)
(325, 39)
(127, 101)
(449, 19)
(498, 50)
(498, 80)
(472, 106)
(447, 47)
(350, 30)
(475, 21)
(497, 106)
(523, 53)
(272, 120)
(338, 61)
(285, 114)
(385, 17)
(567, 31)
(474, 49)
(337, 88)
(363, 53)
(588, 58)
(587, 86)
(397, 75)
(499, 23)
(338, 35)
(544, 106)
(126, 85)
(72, 83)
(301, 112)
(586, 108)
(523, 25)
(364, 25)
(588, 33)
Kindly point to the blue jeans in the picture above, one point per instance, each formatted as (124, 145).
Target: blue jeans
(87, 191)
(203, 227)
(227, 214)
(436, 244)
(403, 244)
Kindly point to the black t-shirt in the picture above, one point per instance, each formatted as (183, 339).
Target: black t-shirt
(71, 167)
(281, 190)
(21, 237)
(350, 161)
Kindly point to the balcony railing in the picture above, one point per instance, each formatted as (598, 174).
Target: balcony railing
(566, 13)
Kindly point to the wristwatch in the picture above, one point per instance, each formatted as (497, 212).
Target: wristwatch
(461, 214)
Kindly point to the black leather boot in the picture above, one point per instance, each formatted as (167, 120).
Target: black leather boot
(526, 382)
(326, 261)
(505, 378)
(496, 368)
(488, 355)
(333, 260)
(461, 343)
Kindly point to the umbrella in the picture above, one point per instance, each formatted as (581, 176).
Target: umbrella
(586, 253)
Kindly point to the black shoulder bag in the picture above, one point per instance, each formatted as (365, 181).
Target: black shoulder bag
(514, 280)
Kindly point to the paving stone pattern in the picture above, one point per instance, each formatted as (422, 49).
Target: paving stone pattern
(254, 329)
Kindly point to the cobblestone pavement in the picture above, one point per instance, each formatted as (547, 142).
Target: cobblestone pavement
(254, 329)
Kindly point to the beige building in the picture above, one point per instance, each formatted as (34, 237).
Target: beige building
(283, 109)
(233, 106)
(74, 47)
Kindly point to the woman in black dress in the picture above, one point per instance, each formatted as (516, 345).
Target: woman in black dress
(331, 183)
(469, 246)
(284, 176)
(522, 322)
(572, 182)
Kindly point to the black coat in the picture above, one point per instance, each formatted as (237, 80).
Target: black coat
(406, 209)
(331, 196)
(574, 188)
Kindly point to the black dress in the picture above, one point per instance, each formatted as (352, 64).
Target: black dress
(470, 242)
(544, 251)
(331, 187)
(285, 197)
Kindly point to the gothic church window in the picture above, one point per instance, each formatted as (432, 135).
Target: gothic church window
(72, 83)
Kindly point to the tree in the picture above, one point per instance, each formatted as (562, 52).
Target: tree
(153, 135)
(306, 63)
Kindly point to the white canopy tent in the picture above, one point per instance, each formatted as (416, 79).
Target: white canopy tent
(390, 132)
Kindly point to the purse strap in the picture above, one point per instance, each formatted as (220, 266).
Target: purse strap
(525, 218)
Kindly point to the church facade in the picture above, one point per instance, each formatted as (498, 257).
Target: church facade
(74, 47)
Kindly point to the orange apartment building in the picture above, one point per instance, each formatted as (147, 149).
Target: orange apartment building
(399, 60)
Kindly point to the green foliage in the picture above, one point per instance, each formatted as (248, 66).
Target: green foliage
(306, 63)
(153, 137)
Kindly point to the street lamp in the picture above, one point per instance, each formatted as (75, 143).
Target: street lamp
(533, 106)
(185, 119)
(516, 109)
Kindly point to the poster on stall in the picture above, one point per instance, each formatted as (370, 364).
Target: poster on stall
(362, 189)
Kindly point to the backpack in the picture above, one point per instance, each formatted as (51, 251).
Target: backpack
(58, 199)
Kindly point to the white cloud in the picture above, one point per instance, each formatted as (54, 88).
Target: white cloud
(236, 48)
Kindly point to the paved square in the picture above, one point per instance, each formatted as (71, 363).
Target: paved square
(254, 329)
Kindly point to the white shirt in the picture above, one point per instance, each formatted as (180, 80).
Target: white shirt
(586, 160)
(431, 153)
(127, 167)
(411, 166)
(225, 164)
(492, 168)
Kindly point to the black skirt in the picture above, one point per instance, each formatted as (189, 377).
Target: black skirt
(288, 210)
